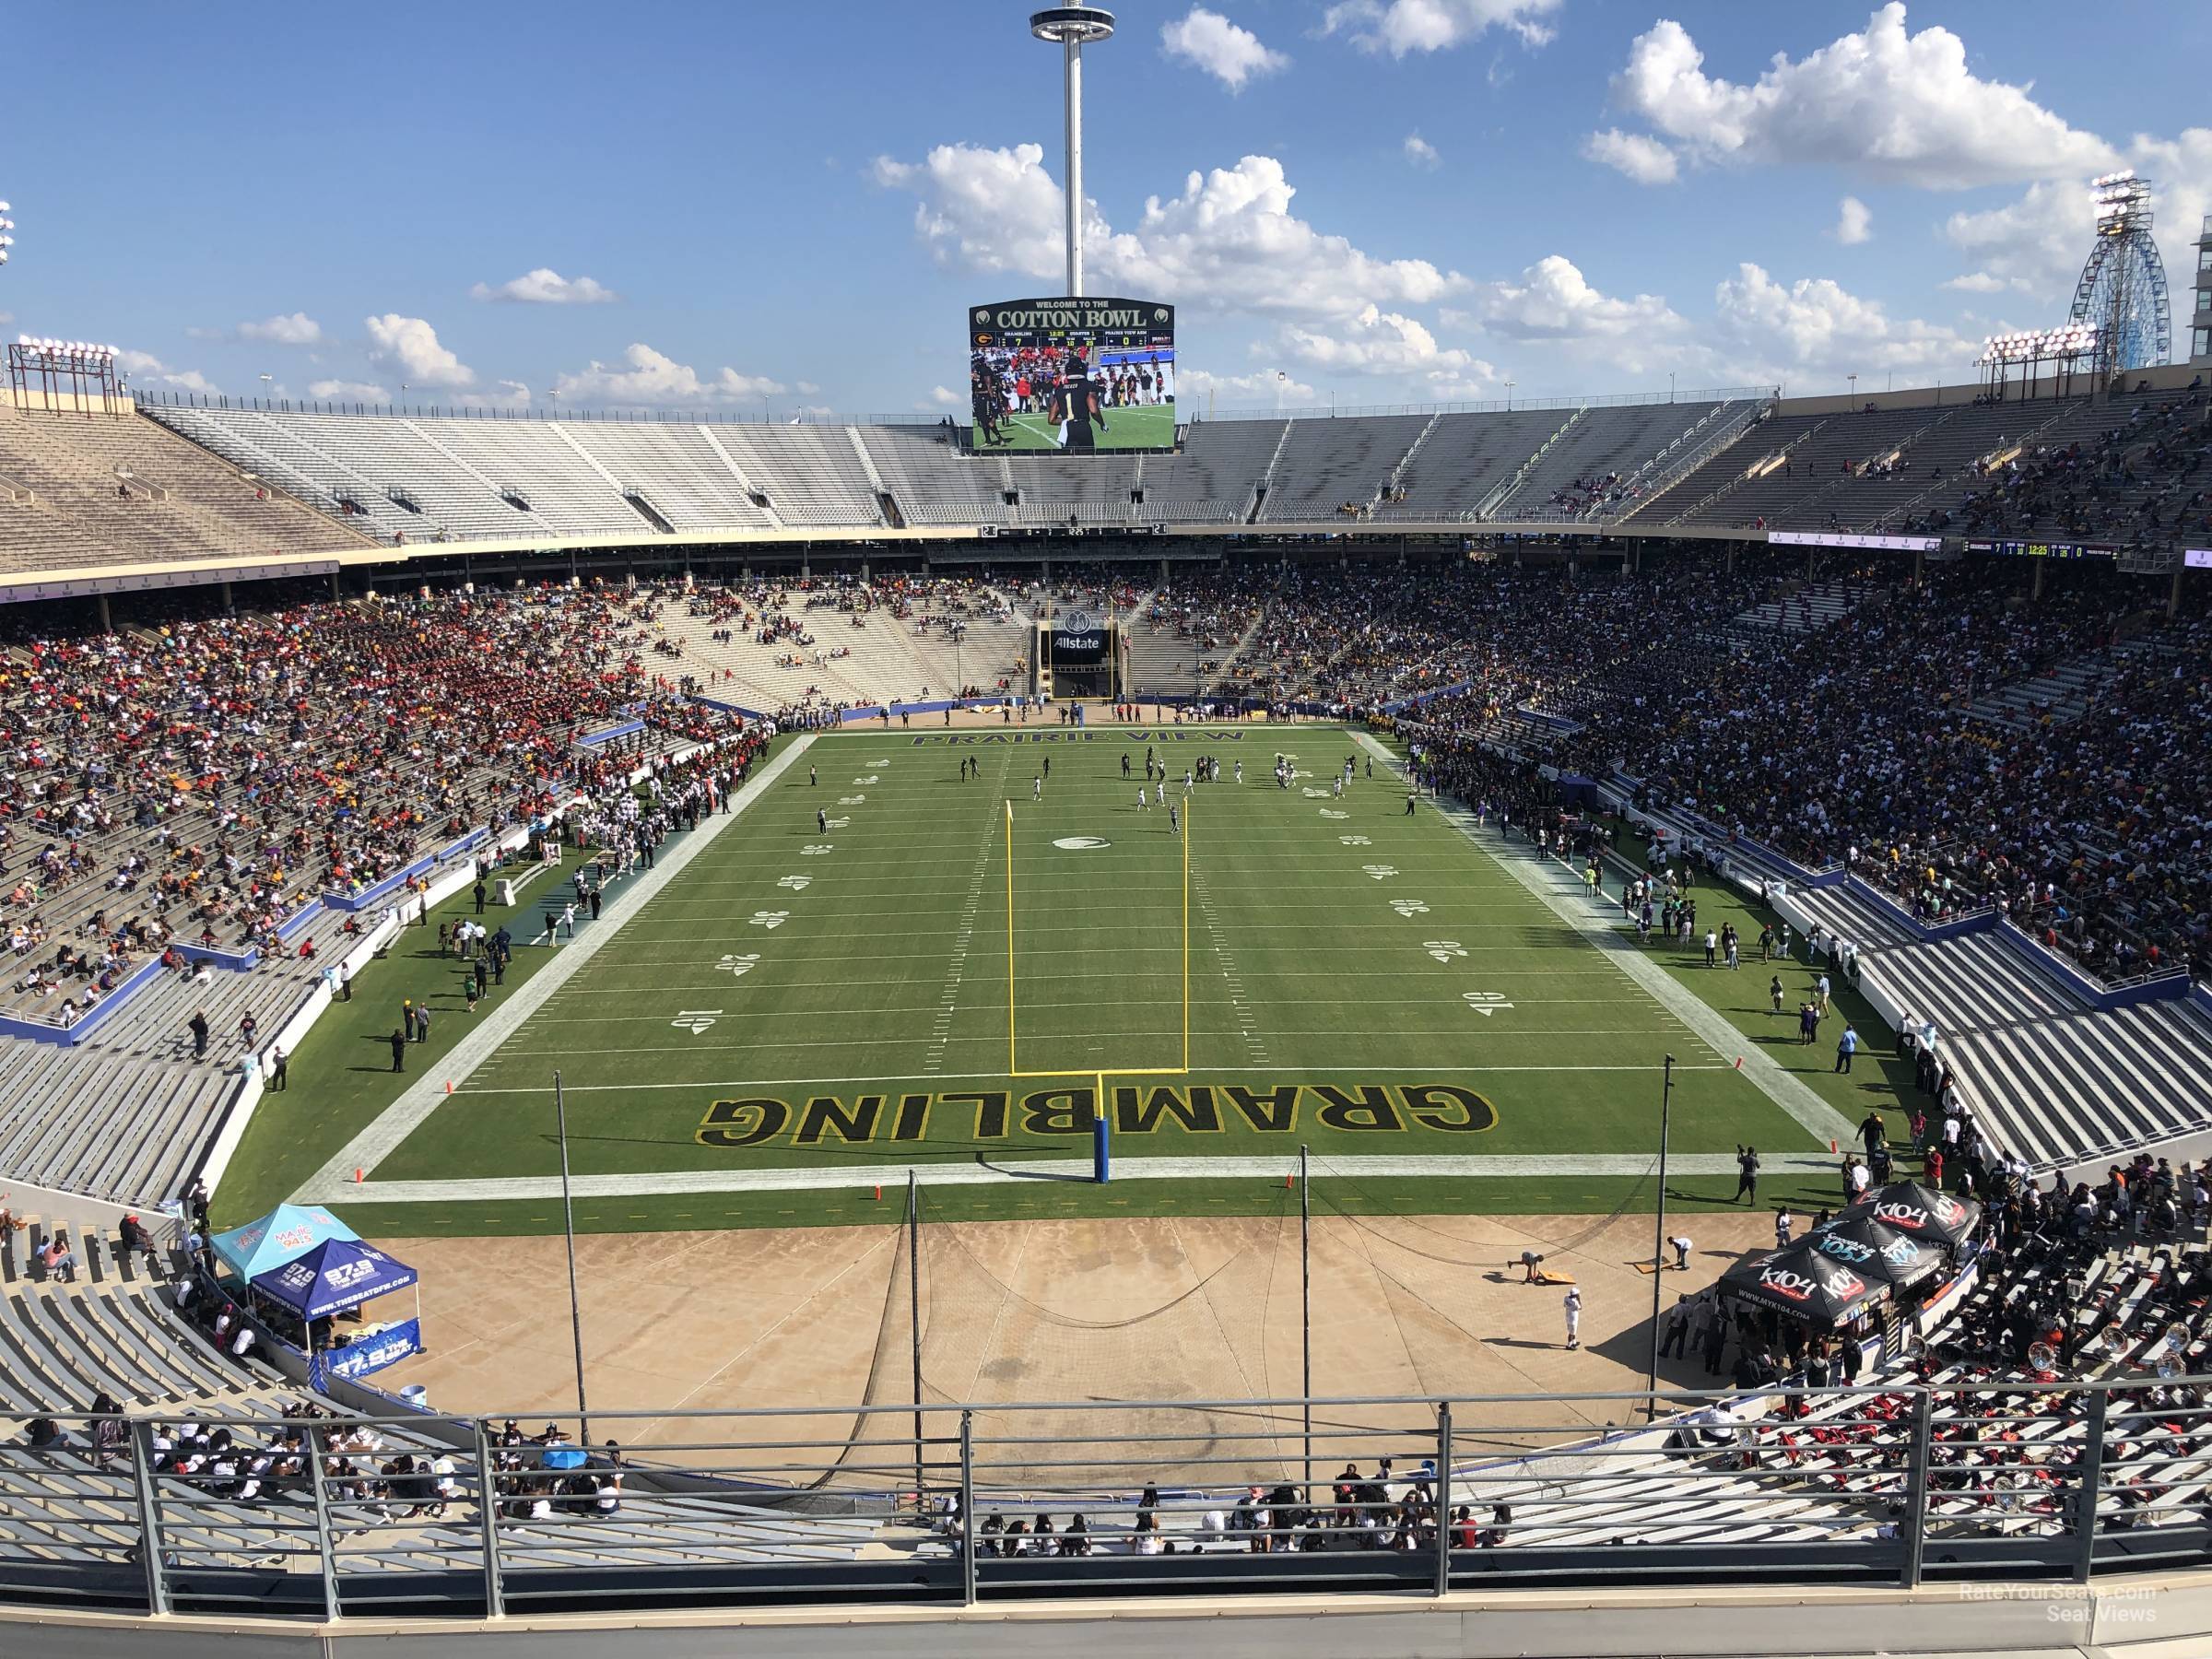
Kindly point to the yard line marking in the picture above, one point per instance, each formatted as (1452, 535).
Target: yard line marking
(811, 1079)
(1255, 1045)
(1571, 904)
(932, 1060)
(1093, 1036)
(419, 1099)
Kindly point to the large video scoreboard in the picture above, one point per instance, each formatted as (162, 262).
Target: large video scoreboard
(1072, 374)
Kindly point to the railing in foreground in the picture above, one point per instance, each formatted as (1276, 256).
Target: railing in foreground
(1901, 1485)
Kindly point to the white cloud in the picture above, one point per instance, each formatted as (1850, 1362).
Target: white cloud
(298, 329)
(1854, 222)
(2033, 244)
(1209, 40)
(1399, 27)
(806, 388)
(1553, 301)
(1644, 159)
(985, 209)
(1228, 243)
(2037, 243)
(1815, 326)
(412, 345)
(147, 370)
(544, 286)
(1892, 104)
(1268, 386)
(653, 378)
(1419, 152)
(346, 390)
(1982, 282)
(6, 317)
(504, 395)
(945, 397)
(1376, 341)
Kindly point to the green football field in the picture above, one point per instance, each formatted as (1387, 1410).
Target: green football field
(1138, 428)
(802, 1011)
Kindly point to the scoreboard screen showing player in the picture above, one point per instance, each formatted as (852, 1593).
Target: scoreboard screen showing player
(1085, 373)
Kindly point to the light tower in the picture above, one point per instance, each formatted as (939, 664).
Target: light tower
(1074, 27)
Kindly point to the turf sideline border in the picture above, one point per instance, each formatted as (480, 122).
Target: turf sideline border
(1004, 1172)
(331, 1183)
(1813, 1114)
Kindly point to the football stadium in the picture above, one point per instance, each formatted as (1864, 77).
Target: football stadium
(643, 1015)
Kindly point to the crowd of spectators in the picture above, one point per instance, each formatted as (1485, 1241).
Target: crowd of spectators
(1856, 744)
(201, 779)
(2137, 481)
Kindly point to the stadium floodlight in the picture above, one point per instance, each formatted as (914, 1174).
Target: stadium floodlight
(1072, 27)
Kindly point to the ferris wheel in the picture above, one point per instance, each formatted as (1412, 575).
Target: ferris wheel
(2121, 294)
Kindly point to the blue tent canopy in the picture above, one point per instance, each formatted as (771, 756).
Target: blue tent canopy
(285, 1233)
(335, 1275)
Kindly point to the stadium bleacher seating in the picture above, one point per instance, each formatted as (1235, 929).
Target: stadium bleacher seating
(102, 489)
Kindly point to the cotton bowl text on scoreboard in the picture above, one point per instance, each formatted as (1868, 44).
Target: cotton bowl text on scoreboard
(1071, 323)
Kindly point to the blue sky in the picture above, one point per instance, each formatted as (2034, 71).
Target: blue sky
(775, 209)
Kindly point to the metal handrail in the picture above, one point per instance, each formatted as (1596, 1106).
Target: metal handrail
(762, 1502)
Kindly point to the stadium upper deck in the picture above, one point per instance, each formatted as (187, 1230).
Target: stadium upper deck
(80, 493)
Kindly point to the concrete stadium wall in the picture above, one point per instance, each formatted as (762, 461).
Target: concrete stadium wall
(2149, 1618)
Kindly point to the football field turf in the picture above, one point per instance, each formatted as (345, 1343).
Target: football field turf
(1142, 427)
(831, 1007)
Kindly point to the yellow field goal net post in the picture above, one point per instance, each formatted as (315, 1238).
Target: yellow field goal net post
(1100, 1146)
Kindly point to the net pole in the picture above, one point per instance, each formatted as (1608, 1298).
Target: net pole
(567, 1228)
(914, 1314)
(1666, 1095)
(1305, 1313)
(1011, 1067)
(1186, 935)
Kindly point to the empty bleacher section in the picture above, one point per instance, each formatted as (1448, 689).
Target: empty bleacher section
(1055, 490)
(1968, 983)
(2065, 691)
(681, 472)
(1216, 476)
(1594, 472)
(812, 475)
(1850, 916)
(101, 490)
(1803, 607)
(2090, 1086)
(114, 1126)
(2122, 469)
(1329, 467)
(1463, 460)
(931, 480)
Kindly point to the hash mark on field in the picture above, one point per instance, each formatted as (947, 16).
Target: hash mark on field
(1255, 1045)
(934, 1058)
